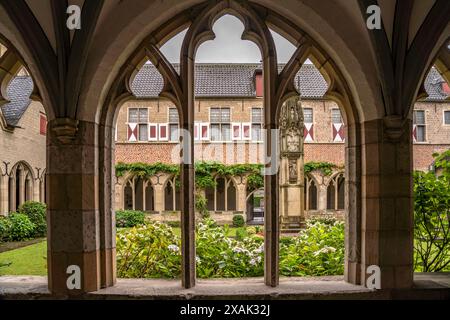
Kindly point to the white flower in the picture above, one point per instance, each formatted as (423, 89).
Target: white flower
(253, 262)
(238, 250)
(173, 248)
(324, 250)
(197, 259)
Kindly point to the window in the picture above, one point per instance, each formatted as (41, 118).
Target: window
(308, 115)
(257, 124)
(138, 124)
(173, 124)
(336, 116)
(419, 126)
(309, 126)
(447, 117)
(220, 124)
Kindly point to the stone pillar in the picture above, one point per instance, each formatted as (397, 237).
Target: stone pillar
(241, 197)
(36, 190)
(387, 208)
(12, 195)
(107, 216)
(322, 197)
(73, 206)
(21, 187)
(158, 188)
(353, 206)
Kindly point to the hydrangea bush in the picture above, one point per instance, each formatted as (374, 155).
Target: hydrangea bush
(153, 251)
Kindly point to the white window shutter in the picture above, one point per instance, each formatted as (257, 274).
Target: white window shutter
(132, 132)
(197, 131)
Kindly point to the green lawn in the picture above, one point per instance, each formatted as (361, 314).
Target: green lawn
(30, 260)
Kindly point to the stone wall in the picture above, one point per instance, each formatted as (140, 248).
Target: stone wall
(25, 144)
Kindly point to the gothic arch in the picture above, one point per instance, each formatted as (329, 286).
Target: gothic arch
(278, 87)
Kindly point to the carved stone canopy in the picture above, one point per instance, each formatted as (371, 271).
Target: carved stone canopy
(291, 127)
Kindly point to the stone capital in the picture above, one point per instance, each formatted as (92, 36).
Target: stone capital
(65, 129)
(394, 127)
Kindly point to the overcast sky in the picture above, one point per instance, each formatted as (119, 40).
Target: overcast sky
(228, 46)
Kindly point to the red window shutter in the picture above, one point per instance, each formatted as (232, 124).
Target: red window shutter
(259, 86)
(163, 132)
(205, 131)
(43, 125)
(153, 132)
(246, 131)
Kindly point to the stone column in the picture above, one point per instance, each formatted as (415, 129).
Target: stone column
(158, 183)
(387, 210)
(36, 190)
(21, 187)
(241, 196)
(73, 207)
(12, 195)
(322, 197)
(107, 216)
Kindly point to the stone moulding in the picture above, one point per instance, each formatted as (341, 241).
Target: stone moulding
(394, 127)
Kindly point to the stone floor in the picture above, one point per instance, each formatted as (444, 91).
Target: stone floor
(427, 286)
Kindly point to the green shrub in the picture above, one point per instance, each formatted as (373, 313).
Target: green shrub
(318, 250)
(219, 256)
(21, 227)
(5, 228)
(153, 251)
(328, 220)
(174, 224)
(201, 205)
(238, 221)
(37, 213)
(129, 218)
(241, 233)
(431, 217)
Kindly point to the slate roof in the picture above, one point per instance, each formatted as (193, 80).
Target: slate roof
(226, 80)
(18, 94)
(211, 80)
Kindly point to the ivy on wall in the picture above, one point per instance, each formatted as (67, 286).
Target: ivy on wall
(206, 170)
(325, 167)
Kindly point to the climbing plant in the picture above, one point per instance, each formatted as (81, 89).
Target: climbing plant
(325, 167)
(206, 170)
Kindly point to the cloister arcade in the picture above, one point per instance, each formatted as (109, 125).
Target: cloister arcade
(374, 76)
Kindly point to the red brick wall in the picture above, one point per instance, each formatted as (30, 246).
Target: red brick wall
(423, 155)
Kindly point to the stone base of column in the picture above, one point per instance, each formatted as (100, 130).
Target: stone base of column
(62, 280)
(292, 223)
